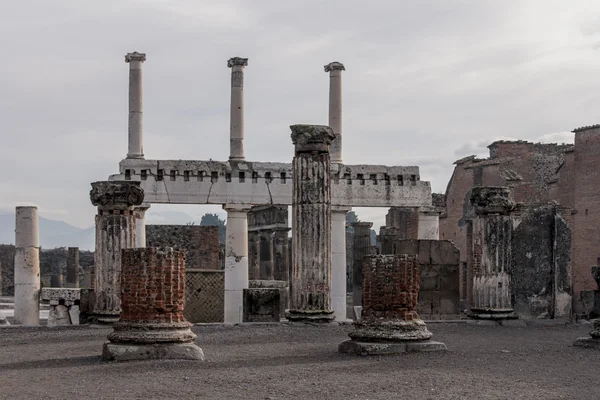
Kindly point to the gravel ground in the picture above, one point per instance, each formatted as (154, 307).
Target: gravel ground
(301, 362)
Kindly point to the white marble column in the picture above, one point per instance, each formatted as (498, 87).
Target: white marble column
(338, 262)
(140, 225)
(236, 128)
(135, 142)
(335, 108)
(27, 266)
(429, 224)
(236, 261)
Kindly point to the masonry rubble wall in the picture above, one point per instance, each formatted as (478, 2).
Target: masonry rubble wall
(200, 242)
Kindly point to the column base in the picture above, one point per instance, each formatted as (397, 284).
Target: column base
(390, 331)
(163, 351)
(389, 348)
(104, 319)
(310, 316)
(492, 314)
(151, 333)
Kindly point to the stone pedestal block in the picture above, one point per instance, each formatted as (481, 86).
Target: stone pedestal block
(262, 305)
(389, 323)
(64, 305)
(152, 324)
(310, 296)
(282, 286)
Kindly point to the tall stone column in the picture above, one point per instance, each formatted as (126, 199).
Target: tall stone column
(73, 267)
(335, 108)
(282, 250)
(140, 225)
(27, 266)
(236, 261)
(310, 297)
(361, 248)
(266, 255)
(115, 230)
(152, 325)
(491, 252)
(338, 262)
(429, 224)
(236, 128)
(135, 142)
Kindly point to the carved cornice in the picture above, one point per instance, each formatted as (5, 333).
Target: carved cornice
(116, 195)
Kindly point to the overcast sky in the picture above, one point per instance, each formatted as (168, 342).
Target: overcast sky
(426, 82)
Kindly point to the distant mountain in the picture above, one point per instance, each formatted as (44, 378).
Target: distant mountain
(52, 233)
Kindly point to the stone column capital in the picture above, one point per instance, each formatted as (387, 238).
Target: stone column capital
(309, 138)
(243, 62)
(334, 66)
(135, 56)
(237, 207)
(116, 195)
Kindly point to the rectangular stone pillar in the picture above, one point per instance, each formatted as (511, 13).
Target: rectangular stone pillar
(338, 262)
(311, 224)
(266, 255)
(282, 265)
(73, 267)
(27, 266)
(236, 261)
(253, 255)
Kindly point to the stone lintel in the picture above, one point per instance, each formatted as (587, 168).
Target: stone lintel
(68, 296)
(310, 138)
(334, 66)
(116, 195)
(135, 56)
(237, 61)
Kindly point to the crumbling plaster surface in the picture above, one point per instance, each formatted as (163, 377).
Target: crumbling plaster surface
(215, 182)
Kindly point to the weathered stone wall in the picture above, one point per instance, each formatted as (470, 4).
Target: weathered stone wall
(204, 298)
(541, 282)
(200, 242)
(7, 263)
(439, 296)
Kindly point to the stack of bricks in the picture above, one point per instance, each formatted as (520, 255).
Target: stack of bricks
(152, 325)
(153, 286)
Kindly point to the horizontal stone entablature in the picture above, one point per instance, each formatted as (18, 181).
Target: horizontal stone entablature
(56, 296)
(234, 182)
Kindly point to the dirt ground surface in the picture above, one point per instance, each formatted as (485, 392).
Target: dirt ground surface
(302, 362)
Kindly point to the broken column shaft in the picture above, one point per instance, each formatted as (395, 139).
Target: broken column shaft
(27, 266)
(491, 247)
(335, 108)
(236, 128)
(73, 267)
(310, 297)
(115, 230)
(135, 142)
(152, 325)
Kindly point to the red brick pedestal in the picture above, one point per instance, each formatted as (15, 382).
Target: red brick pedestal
(152, 325)
(389, 322)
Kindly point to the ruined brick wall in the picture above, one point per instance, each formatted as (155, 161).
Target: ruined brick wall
(586, 212)
(200, 242)
(405, 220)
(439, 294)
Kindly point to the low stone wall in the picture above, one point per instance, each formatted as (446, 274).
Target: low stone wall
(204, 295)
(439, 296)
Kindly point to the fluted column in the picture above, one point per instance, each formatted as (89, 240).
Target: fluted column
(267, 271)
(27, 266)
(253, 255)
(338, 262)
(335, 108)
(236, 261)
(311, 224)
(115, 230)
(236, 128)
(135, 142)
(360, 248)
(282, 264)
(491, 253)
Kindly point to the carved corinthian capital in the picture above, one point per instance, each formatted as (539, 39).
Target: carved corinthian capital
(116, 195)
